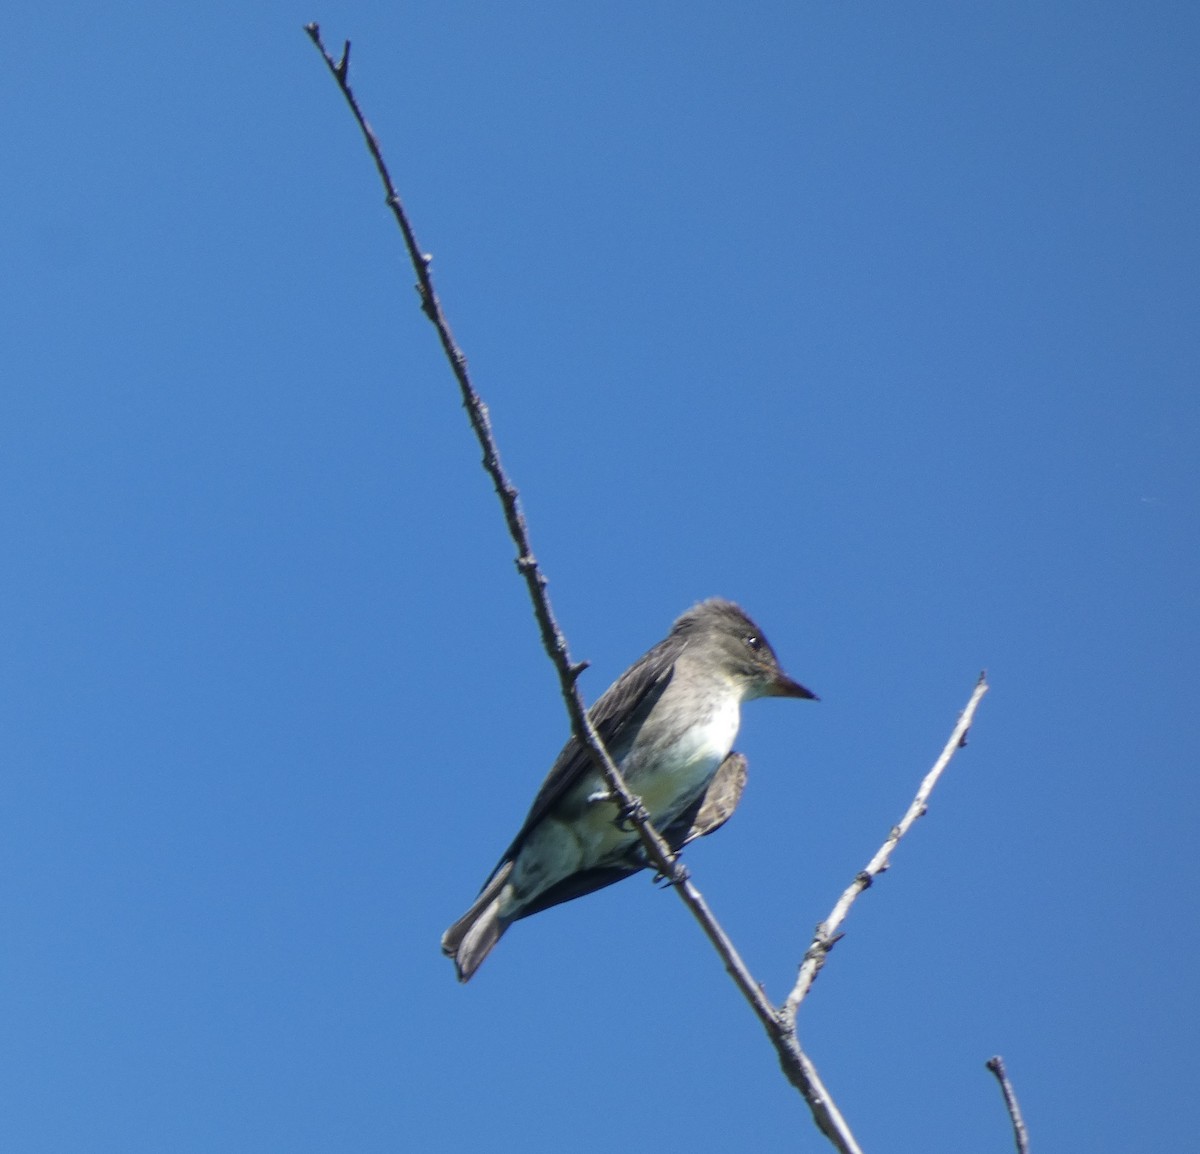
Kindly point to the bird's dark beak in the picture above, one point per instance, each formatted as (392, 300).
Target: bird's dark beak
(783, 686)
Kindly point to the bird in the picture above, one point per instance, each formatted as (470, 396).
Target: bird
(669, 723)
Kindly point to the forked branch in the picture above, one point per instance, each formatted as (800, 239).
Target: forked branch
(779, 1023)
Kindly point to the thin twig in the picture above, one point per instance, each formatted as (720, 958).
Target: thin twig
(826, 934)
(1020, 1134)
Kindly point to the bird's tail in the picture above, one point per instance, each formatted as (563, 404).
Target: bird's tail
(472, 937)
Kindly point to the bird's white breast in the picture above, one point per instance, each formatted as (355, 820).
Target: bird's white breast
(693, 761)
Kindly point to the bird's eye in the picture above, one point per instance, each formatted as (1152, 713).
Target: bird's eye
(754, 642)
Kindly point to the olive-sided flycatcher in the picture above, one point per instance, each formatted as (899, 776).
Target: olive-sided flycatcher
(669, 722)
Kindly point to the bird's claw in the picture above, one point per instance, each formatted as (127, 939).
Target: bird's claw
(630, 816)
(682, 874)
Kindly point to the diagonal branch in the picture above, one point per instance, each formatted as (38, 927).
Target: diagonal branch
(796, 1065)
(657, 850)
(827, 935)
(1020, 1134)
(527, 565)
(780, 1024)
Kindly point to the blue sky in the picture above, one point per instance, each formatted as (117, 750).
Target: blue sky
(879, 319)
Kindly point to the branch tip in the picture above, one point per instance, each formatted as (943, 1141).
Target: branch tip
(1020, 1133)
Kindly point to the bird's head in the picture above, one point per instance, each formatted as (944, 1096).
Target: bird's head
(739, 648)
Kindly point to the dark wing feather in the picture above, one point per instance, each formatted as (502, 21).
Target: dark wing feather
(714, 807)
(578, 884)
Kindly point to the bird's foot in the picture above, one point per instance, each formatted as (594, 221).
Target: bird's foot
(630, 816)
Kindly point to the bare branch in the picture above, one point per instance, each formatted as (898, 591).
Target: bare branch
(780, 1024)
(1020, 1134)
(527, 565)
(827, 932)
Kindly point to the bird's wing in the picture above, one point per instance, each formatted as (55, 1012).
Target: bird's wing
(617, 716)
(711, 810)
(579, 883)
